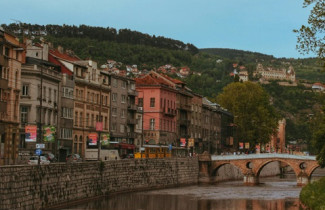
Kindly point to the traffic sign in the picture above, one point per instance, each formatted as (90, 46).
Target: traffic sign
(40, 146)
(38, 152)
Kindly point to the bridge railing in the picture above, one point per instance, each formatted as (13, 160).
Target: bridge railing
(261, 156)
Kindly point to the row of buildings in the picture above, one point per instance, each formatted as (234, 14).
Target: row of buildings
(45, 91)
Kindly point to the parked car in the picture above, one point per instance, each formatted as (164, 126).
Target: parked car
(34, 160)
(73, 158)
(50, 157)
(128, 156)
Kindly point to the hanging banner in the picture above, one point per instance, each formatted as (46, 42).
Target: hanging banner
(182, 142)
(190, 142)
(104, 138)
(49, 133)
(92, 139)
(99, 126)
(30, 133)
(247, 145)
(241, 145)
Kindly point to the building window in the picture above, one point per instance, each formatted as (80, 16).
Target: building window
(114, 111)
(66, 133)
(54, 96)
(123, 113)
(25, 90)
(114, 82)
(67, 112)
(50, 95)
(152, 124)
(87, 119)
(152, 102)
(114, 97)
(123, 99)
(68, 92)
(140, 102)
(122, 128)
(105, 123)
(123, 84)
(76, 118)
(24, 114)
(113, 126)
(132, 86)
(44, 93)
(92, 123)
(80, 120)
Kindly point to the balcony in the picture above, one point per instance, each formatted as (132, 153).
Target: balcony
(132, 121)
(185, 106)
(132, 135)
(132, 107)
(3, 106)
(184, 122)
(132, 92)
(170, 112)
(3, 83)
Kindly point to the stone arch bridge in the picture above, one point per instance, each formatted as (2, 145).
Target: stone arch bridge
(251, 165)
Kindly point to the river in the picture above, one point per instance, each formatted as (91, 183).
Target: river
(273, 193)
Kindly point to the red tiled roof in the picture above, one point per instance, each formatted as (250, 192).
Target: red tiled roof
(64, 56)
(150, 80)
(176, 81)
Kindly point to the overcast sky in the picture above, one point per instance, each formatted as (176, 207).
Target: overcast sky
(255, 25)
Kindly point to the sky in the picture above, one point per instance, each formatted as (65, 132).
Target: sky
(264, 26)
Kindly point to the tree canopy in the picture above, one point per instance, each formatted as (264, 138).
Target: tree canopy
(255, 117)
(311, 37)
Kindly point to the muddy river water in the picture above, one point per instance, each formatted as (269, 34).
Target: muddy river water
(273, 193)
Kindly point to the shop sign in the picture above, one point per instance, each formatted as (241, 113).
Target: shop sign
(241, 145)
(247, 145)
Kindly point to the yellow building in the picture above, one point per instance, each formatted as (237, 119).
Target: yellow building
(12, 55)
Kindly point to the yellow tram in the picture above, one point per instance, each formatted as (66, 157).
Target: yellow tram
(160, 151)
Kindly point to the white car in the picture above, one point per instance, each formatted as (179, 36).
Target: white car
(34, 160)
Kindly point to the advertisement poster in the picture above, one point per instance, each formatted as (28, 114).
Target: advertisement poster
(92, 139)
(183, 142)
(247, 145)
(190, 142)
(30, 133)
(258, 148)
(241, 145)
(104, 138)
(49, 133)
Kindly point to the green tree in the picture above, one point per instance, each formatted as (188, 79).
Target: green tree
(311, 37)
(255, 118)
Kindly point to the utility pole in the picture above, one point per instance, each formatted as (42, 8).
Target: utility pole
(41, 108)
(100, 120)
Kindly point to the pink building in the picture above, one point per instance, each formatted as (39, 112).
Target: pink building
(157, 97)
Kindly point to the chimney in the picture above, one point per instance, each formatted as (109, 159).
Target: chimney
(60, 49)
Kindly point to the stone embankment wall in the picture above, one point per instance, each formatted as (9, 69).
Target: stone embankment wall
(33, 187)
(230, 172)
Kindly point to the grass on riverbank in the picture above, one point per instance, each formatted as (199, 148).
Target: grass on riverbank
(313, 195)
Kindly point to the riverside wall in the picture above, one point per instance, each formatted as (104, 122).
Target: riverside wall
(54, 185)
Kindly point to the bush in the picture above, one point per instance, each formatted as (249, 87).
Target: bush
(313, 195)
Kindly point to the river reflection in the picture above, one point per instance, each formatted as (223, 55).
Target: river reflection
(273, 193)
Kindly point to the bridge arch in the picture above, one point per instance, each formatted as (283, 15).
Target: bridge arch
(216, 167)
(312, 170)
(260, 166)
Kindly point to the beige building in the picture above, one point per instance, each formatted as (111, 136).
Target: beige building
(40, 87)
(269, 73)
(12, 55)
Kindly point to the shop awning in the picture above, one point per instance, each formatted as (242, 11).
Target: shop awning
(127, 146)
